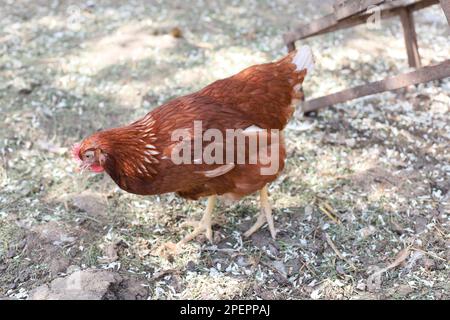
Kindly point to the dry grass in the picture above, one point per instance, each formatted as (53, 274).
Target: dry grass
(364, 180)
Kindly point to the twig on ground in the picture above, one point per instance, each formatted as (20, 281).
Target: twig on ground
(158, 275)
(226, 250)
(442, 233)
(338, 253)
(374, 280)
(431, 254)
(329, 211)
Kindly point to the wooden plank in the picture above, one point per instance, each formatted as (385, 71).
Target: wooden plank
(305, 30)
(409, 33)
(412, 6)
(425, 74)
(329, 23)
(352, 7)
(290, 46)
(445, 5)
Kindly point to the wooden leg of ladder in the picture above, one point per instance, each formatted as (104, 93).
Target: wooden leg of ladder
(445, 5)
(409, 32)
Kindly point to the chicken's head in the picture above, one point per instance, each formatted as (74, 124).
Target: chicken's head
(89, 156)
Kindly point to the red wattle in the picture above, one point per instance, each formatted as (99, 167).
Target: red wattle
(96, 168)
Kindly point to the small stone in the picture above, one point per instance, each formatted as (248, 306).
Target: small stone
(176, 32)
(80, 285)
(420, 224)
(280, 267)
(367, 231)
(350, 142)
(11, 253)
(429, 264)
(340, 269)
(361, 286)
(90, 202)
(404, 289)
(110, 253)
(191, 266)
(72, 269)
(59, 265)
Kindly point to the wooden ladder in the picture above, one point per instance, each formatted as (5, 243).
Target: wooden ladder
(349, 13)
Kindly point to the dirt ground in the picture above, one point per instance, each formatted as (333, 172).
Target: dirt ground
(362, 206)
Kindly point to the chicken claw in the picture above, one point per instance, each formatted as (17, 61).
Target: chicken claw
(204, 225)
(264, 216)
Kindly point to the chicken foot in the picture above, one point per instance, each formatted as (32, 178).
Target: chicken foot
(204, 225)
(265, 215)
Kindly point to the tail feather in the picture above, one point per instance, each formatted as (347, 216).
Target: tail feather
(304, 59)
(268, 92)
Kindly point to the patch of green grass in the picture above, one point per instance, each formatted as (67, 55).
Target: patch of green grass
(91, 255)
(9, 232)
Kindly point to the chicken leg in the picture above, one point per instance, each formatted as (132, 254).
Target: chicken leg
(265, 215)
(204, 225)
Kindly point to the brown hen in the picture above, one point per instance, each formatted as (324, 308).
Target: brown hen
(257, 103)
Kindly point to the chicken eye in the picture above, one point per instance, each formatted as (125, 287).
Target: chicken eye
(89, 155)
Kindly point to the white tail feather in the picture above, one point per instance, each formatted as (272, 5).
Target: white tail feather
(304, 59)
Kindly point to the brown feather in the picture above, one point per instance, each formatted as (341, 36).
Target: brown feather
(137, 156)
